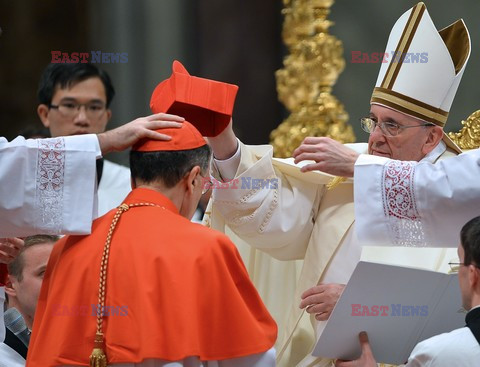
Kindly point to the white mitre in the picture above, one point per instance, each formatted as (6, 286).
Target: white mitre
(423, 87)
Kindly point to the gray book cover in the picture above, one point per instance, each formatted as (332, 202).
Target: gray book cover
(397, 306)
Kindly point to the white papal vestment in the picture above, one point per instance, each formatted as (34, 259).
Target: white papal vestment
(298, 219)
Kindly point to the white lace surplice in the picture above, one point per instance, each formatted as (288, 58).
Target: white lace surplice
(416, 204)
(47, 185)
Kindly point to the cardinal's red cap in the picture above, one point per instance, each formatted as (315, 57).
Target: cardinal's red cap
(186, 137)
(207, 104)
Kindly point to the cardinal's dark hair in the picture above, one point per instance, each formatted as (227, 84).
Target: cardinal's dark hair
(169, 167)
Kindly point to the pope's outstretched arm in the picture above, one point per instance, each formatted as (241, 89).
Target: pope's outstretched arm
(412, 203)
(406, 203)
(48, 185)
(269, 209)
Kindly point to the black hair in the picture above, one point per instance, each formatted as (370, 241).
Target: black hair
(66, 75)
(470, 239)
(169, 167)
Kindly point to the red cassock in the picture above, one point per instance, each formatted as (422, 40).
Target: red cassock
(174, 289)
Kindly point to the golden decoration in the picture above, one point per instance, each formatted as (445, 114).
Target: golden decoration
(305, 83)
(469, 135)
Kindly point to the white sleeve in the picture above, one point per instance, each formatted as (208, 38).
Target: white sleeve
(267, 209)
(228, 167)
(416, 204)
(48, 185)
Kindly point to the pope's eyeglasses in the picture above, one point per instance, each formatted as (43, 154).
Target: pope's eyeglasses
(388, 128)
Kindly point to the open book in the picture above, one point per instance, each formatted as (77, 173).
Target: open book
(397, 306)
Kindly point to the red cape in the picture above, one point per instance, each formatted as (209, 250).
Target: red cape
(174, 289)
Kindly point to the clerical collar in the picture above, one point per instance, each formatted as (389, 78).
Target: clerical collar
(435, 153)
(473, 322)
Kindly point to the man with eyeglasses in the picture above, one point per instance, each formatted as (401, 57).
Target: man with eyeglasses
(303, 219)
(460, 347)
(75, 99)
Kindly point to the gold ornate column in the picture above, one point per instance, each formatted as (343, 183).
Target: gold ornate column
(305, 83)
(469, 136)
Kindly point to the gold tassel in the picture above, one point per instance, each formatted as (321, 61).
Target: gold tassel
(335, 182)
(98, 357)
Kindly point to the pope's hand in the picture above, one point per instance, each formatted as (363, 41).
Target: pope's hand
(329, 155)
(144, 127)
(9, 249)
(366, 359)
(321, 299)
